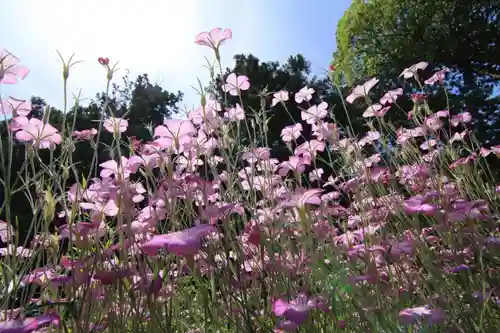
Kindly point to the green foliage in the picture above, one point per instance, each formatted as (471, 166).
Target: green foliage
(382, 37)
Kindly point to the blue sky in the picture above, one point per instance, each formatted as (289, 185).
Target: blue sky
(157, 37)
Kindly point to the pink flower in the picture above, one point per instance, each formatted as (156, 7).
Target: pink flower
(412, 70)
(113, 124)
(10, 69)
(297, 310)
(291, 133)
(235, 114)
(235, 84)
(438, 77)
(413, 315)
(376, 110)
(182, 243)
(302, 197)
(123, 170)
(391, 96)
(316, 174)
(34, 131)
(417, 205)
(174, 132)
(295, 164)
(14, 107)
(464, 117)
(315, 113)
(30, 324)
(103, 61)
(361, 90)
(280, 96)
(214, 38)
(6, 232)
(304, 94)
(86, 134)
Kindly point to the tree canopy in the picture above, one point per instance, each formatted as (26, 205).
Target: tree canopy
(382, 37)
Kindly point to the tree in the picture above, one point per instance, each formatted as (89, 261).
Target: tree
(267, 78)
(382, 37)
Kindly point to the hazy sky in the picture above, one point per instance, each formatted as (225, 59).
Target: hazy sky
(156, 37)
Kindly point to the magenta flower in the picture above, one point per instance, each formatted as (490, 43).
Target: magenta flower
(416, 205)
(235, 84)
(214, 38)
(113, 124)
(10, 70)
(30, 324)
(413, 315)
(182, 243)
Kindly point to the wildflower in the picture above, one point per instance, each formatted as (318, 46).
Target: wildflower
(291, 133)
(182, 243)
(113, 124)
(416, 205)
(235, 114)
(464, 118)
(34, 131)
(30, 324)
(304, 94)
(413, 315)
(103, 61)
(376, 110)
(391, 96)
(12, 107)
(10, 70)
(86, 134)
(412, 70)
(297, 310)
(315, 113)
(235, 84)
(438, 77)
(6, 232)
(280, 96)
(214, 38)
(362, 90)
(316, 174)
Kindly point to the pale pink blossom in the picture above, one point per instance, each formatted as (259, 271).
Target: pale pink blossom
(12, 107)
(291, 133)
(315, 113)
(412, 70)
(391, 96)
(304, 94)
(438, 77)
(113, 124)
(376, 110)
(316, 174)
(464, 118)
(213, 38)
(235, 84)
(41, 135)
(85, 134)
(235, 114)
(10, 70)
(361, 90)
(280, 96)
